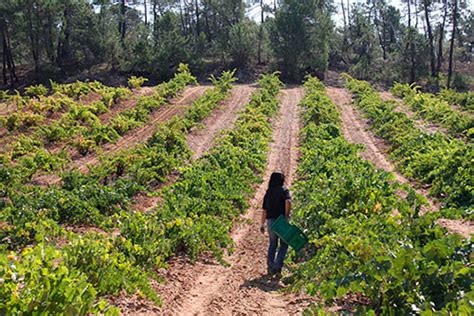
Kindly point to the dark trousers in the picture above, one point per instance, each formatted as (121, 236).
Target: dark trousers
(276, 247)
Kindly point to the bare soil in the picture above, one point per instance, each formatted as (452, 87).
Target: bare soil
(201, 139)
(356, 130)
(242, 288)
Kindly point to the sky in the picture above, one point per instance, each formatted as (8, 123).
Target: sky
(254, 11)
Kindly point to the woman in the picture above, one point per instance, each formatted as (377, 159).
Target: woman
(277, 201)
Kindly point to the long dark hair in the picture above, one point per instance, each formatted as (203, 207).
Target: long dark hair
(276, 179)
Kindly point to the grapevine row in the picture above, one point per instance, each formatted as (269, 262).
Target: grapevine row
(33, 157)
(93, 265)
(35, 108)
(436, 110)
(364, 256)
(465, 100)
(435, 159)
(91, 198)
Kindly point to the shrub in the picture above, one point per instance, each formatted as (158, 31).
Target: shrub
(136, 82)
(37, 90)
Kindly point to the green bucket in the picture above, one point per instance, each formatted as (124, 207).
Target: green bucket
(289, 233)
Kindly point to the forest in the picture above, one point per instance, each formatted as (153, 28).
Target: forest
(423, 41)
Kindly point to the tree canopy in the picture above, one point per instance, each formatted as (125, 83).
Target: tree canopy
(424, 40)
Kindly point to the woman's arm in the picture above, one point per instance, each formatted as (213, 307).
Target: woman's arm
(287, 208)
(264, 218)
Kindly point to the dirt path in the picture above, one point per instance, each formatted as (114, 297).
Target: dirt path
(133, 137)
(206, 288)
(201, 139)
(356, 131)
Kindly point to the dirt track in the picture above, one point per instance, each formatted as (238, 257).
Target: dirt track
(356, 131)
(206, 288)
(200, 140)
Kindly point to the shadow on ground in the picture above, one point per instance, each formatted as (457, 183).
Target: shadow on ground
(264, 283)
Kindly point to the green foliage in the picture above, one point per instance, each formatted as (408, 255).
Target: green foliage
(111, 184)
(111, 95)
(37, 90)
(95, 256)
(465, 100)
(83, 146)
(461, 82)
(21, 120)
(197, 211)
(136, 82)
(4, 95)
(395, 265)
(435, 109)
(107, 264)
(124, 122)
(28, 281)
(242, 43)
(76, 89)
(434, 159)
(98, 107)
(300, 37)
(81, 127)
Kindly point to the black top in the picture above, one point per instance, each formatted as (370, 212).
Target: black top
(274, 201)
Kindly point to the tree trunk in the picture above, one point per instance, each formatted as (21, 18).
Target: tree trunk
(409, 13)
(380, 33)
(344, 14)
(430, 39)
(183, 26)
(33, 40)
(10, 61)
(64, 44)
(146, 13)
(156, 32)
(7, 60)
(260, 35)
(348, 13)
(4, 69)
(122, 22)
(441, 38)
(3, 27)
(208, 28)
(198, 26)
(416, 14)
(411, 46)
(50, 40)
(451, 45)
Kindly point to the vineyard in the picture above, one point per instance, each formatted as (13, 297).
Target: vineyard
(125, 200)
